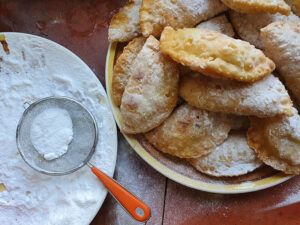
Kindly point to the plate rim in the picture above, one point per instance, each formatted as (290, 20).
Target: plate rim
(73, 55)
(245, 187)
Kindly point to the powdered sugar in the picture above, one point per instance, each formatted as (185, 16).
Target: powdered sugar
(291, 199)
(51, 133)
(219, 24)
(232, 158)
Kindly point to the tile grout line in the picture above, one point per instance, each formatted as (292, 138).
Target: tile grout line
(165, 194)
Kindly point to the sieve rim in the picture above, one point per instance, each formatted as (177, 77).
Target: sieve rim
(43, 171)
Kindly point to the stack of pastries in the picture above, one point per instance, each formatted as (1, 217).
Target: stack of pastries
(214, 82)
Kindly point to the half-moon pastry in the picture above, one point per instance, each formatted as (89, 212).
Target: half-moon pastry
(190, 132)
(276, 141)
(264, 98)
(155, 15)
(122, 68)
(215, 54)
(232, 158)
(282, 44)
(125, 25)
(152, 90)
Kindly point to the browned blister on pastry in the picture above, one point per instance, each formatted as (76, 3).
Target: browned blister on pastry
(258, 6)
(125, 25)
(276, 141)
(190, 132)
(151, 92)
(282, 44)
(264, 98)
(122, 68)
(215, 54)
(232, 158)
(155, 15)
(248, 26)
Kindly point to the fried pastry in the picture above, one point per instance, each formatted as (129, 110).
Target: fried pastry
(125, 25)
(248, 26)
(295, 5)
(219, 24)
(215, 54)
(276, 141)
(157, 14)
(151, 92)
(232, 158)
(122, 68)
(258, 6)
(282, 44)
(264, 98)
(190, 132)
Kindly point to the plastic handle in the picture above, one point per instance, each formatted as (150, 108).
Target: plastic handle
(129, 202)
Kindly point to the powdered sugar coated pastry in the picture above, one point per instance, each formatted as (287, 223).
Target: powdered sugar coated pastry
(276, 141)
(155, 15)
(258, 6)
(152, 90)
(282, 43)
(215, 54)
(232, 158)
(122, 68)
(219, 24)
(190, 132)
(248, 26)
(264, 98)
(38, 68)
(125, 25)
(51, 132)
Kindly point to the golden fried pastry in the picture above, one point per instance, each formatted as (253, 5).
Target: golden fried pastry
(215, 54)
(190, 132)
(258, 6)
(282, 44)
(157, 14)
(125, 25)
(151, 92)
(248, 26)
(122, 68)
(232, 158)
(276, 141)
(264, 98)
(295, 5)
(219, 24)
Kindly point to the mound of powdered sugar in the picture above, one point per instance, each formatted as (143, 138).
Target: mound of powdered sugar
(51, 132)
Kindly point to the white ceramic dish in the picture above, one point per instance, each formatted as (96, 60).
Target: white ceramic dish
(61, 73)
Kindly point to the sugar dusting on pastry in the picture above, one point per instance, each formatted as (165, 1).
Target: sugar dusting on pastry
(232, 158)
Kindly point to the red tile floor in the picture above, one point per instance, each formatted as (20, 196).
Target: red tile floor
(81, 26)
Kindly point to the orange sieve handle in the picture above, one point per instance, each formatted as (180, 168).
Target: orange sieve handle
(135, 207)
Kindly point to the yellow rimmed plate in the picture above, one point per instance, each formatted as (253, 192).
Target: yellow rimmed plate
(179, 170)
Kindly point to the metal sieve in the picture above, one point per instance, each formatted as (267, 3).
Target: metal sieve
(80, 150)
